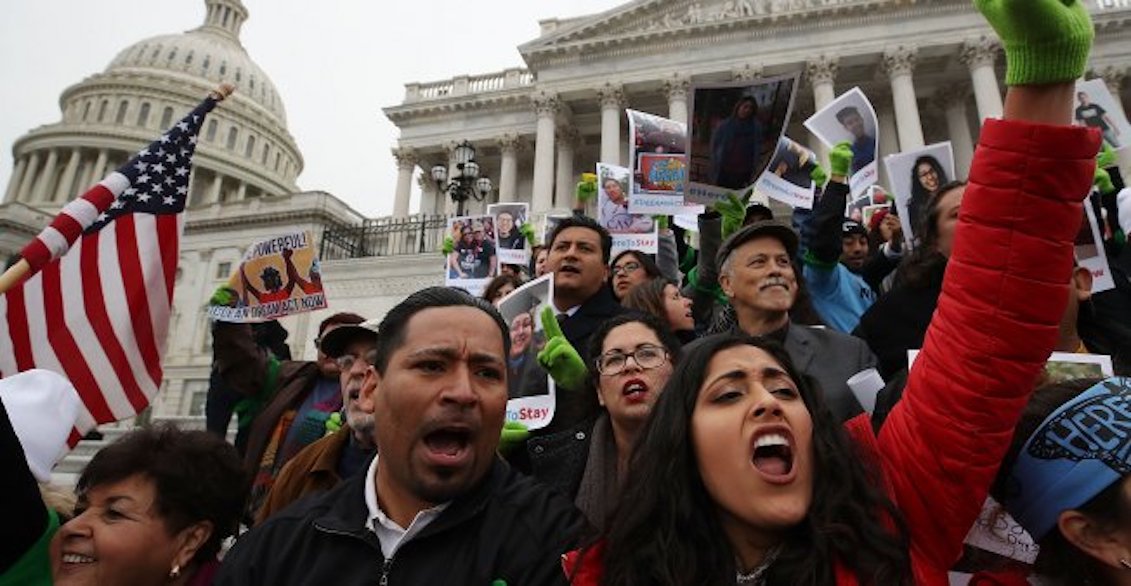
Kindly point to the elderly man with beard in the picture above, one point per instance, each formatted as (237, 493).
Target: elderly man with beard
(756, 272)
(436, 505)
(326, 462)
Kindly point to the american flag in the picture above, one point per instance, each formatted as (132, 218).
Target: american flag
(96, 304)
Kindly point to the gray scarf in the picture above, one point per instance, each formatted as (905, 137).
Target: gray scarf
(599, 489)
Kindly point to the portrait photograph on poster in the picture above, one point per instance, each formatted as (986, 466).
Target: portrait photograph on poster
(787, 178)
(851, 118)
(1090, 252)
(1095, 108)
(734, 132)
(657, 153)
(635, 231)
(511, 245)
(474, 260)
(915, 177)
(530, 390)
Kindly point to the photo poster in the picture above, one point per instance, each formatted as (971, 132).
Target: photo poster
(915, 176)
(735, 128)
(864, 207)
(474, 261)
(658, 153)
(530, 390)
(1094, 107)
(1090, 251)
(629, 231)
(787, 178)
(511, 245)
(1061, 366)
(276, 277)
(549, 223)
(851, 118)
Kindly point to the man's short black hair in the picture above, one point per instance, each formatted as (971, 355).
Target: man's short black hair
(579, 221)
(392, 328)
(844, 113)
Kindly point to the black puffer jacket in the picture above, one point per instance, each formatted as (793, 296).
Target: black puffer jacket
(507, 528)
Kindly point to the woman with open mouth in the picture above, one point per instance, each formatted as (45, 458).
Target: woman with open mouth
(663, 299)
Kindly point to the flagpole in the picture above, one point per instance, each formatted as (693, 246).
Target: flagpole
(16, 272)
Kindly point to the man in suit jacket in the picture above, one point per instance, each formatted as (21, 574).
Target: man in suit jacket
(757, 274)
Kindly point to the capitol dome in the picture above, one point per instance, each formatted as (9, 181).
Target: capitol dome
(245, 150)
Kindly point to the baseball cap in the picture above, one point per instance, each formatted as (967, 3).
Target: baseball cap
(334, 342)
(783, 233)
(850, 227)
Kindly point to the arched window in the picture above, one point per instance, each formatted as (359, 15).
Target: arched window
(266, 149)
(86, 111)
(276, 161)
(166, 117)
(227, 14)
(120, 117)
(102, 110)
(249, 147)
(143, 114)
(211, 134)
(233, 134)
(223, 68)
(156, 52)
(172, 54)
(188, 58)
(204, 65)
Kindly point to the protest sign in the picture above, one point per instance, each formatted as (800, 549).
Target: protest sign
(787, 178)
(635, 231)
(530, 390)
(1090, 252)
(510, 244)
(1095, 108)
(549, 223)
(916, 176)
(474, 260)
(851, 118)
(276, 277)
(735, 129)
(657, 153)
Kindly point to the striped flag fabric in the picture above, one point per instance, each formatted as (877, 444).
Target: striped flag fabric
(96, 304)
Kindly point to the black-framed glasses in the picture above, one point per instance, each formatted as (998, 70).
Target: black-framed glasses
(628, 267)
(647, 356)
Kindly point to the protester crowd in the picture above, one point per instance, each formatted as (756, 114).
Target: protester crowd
(709, 428)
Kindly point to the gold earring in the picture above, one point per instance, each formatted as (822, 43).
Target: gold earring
(175, 572)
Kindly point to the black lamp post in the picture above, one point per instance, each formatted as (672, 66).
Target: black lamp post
(466, 183)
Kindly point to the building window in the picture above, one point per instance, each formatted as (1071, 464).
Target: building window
(276, 162)
(86, 111)
(233, 134)
(223, 68)
(265, 151)
(166, 117)
(172, 54)
(223, 270)
(196, 391)
(120, 117)
(204, 66)
(156, 52)
(211, 134)
(102, 110)
(143, 114)
(188, 58)
(250, 147)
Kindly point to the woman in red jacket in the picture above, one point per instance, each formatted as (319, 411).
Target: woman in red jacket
(740, 474)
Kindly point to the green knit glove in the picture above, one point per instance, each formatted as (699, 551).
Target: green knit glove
(448, 247)
(224, 296)
(1102, 181)
(527, 231)
(819, 175)
(662, 222)
(512, 436)
(733, 211)
(1045, 41)
(559, 357)
(840, 159)
(587, 187)
(1106, 157)
(334, 423)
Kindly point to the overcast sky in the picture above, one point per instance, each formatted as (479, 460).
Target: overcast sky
(336, 63)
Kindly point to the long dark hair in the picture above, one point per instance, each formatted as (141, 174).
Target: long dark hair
(918, 191)
(650, 267)
(658, 326)
(923, 268)
(667, 532)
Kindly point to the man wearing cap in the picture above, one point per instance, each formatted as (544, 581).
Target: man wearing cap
(756, 272)
(326, 462)
(863, 145)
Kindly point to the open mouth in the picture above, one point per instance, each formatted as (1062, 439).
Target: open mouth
(448, 445)
(773, 456)
(77, 558)
(569, 269)
(635, 390)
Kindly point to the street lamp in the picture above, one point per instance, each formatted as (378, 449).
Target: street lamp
(466, 183)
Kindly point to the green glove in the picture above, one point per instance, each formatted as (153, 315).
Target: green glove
(1046, 41)
(224, 296)
(840, 159)
(333, 423)
(448, 247)
(587, 187)
(1102, 181)
(559, 357)
(527, 231)
(512, 436)
(1106, 157)
(733, 211)
(662, 222)
(819, 175)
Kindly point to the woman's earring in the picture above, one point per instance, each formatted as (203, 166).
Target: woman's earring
(175, 572)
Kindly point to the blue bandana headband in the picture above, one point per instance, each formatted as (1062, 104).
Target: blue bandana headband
(1077, 452)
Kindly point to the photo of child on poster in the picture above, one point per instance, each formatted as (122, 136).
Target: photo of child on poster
(510, 243)
(787, 178)
(474, 260)
(659, 164)
(1095, 108)
(530, 389)
(851, 118)
(635, 231)
(735, 129)
(916, 176)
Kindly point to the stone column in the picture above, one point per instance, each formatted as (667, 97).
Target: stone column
(66, 190)
(546, 106)
(29, 177)
(978, 55)
(14, 180)
(676, 88)
(821, 72)
(427, 191)
(44, 184)
(888, 134)
(953, 102)
(443, 200)
(566, 141)
(241, 191)
(898, 63)
(612, 102)
(509, 145)
(99, 169)
(214, 189)
(406, 165)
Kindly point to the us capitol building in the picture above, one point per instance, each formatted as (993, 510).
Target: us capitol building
(932, 68)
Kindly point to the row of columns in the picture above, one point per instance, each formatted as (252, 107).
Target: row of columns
(33, 178)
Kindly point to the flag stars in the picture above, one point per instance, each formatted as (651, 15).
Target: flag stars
(181, 171)
(164, 138)
(140, 166)
(169, 200)
(129, 191)
(171, 158)
(157, 168)
(118, 204)
(143, 178)
(182, 125)
(182, 190)
(144, 197)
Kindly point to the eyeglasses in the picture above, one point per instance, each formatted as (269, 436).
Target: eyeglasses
(647, 356)
(346, 361)
(628, 267)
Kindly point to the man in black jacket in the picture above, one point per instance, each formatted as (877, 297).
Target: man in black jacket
(436, 505)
